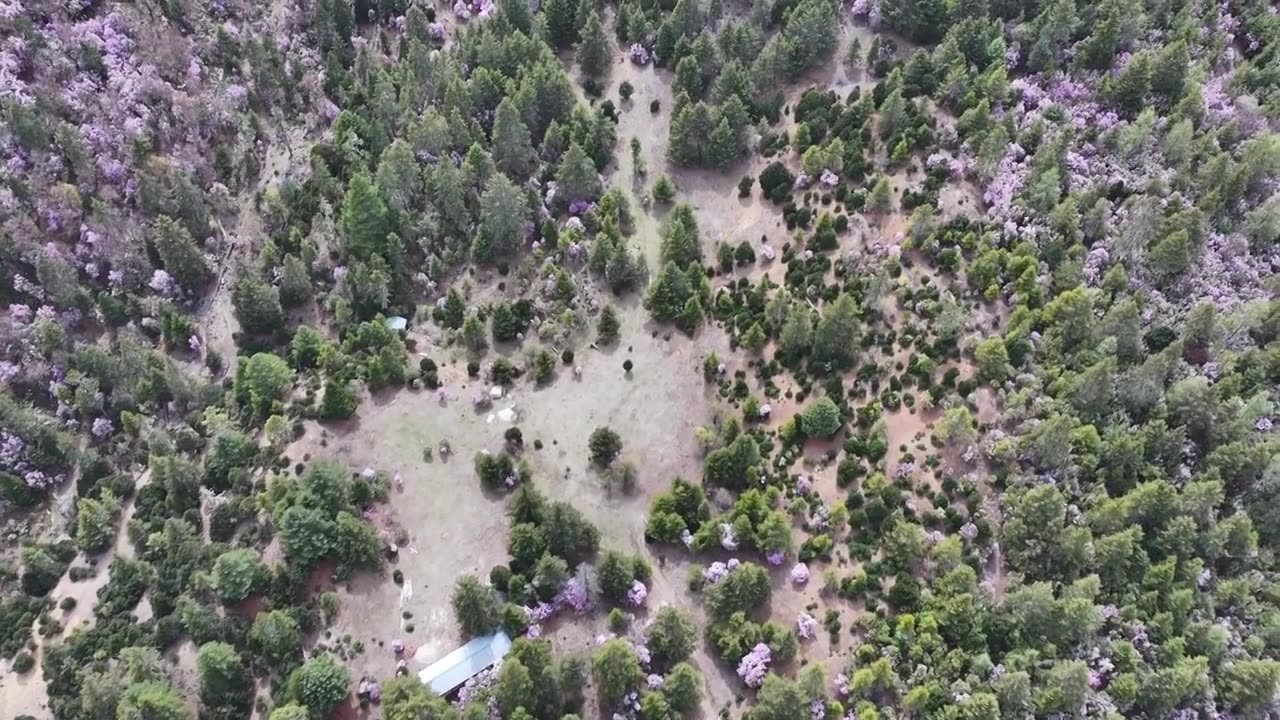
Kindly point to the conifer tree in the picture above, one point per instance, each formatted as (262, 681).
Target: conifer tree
(454, 310)
(1169, 71)
(796, 336)
(607, 328)
(680, 242)
(881, 200)
(295, 282)
(690, 128)
(594, 48)
(339, 402)
(723, 145)
(473, 334)
(688, 79)
(503, 212)
(668, 293)
(399, 179)
(691, 316)
(182, 258)
(256, 304)
(576, 178)
(1128, 90)
(512, 147)
(623, 269)
(836, 339)
(364, 218)
(755, 339)
(562, 22)
(517, 13)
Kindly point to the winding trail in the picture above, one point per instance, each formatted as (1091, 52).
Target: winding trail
(26, 694)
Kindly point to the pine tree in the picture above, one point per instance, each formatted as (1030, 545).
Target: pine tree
(576, 178)
(796, 336)
(809, 34)
(399, 179)
(1171, 255)
(478, 167)
(723, 145)
(338, 402)
(1169, 71)
(181, 257)
(668, 294)
(690, 128)
(920, 20)
(665, 46)
(608, 327)
(686, 17)
(881, 200)
(688, 79)
(1098, 51)
(593, 50)
(473, 334)
(517, 13)
(836, 339)
(512, 147)
(680, 241)
(562, 22)
(295, 282)
(1057, 25)
(755, 339)
(664, 191)
(454, 310)
(503, 211)
(623, 270)
(256, 305)
(691, 316)
(1128, 90)
(364, 218)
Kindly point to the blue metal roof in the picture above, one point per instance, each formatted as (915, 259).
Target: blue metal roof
(451, 671)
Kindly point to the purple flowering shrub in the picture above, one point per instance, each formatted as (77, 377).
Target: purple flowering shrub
(755, 665)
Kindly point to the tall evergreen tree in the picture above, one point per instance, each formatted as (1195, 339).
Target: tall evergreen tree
(182, 258)
(881, 200)
(512, 146)
(517, 13)
(256, 304)
(680, 242)
(1169, 71)
(504, 210)
(690, 128)
(594, 55)
(836, 339)
(668, 294)
(722, 149)
(1128, 90)
(295, 282)
(399, 180)
(576, 178)
(562, 22)
(364, 218)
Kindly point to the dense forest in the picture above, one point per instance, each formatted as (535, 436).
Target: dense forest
(968, 309)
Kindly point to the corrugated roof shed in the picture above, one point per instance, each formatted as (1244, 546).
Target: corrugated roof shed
(451, 671)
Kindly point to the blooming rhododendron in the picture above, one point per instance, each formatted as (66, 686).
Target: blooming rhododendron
(800, 574)
(637, 594)
(806, 626)
(715, 572)
(755, 665)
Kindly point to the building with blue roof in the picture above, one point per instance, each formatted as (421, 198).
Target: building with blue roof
(453, 670)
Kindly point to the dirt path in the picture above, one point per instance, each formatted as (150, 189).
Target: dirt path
(26, 694)
(241, 240)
